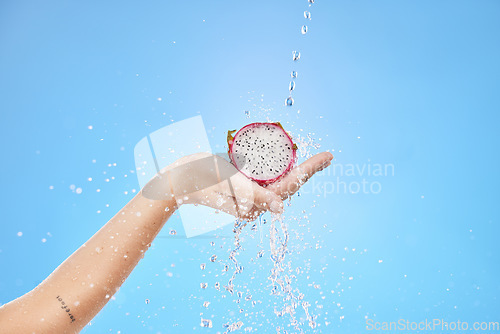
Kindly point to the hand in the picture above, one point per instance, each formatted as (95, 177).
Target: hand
(291, 183)
(212, 181)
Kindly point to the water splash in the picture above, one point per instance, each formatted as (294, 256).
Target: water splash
(233, 327)
(206, 323)
(238, 226)
(281, 282)
(305, 144)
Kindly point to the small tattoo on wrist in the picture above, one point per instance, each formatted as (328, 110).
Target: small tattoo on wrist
(66, 308)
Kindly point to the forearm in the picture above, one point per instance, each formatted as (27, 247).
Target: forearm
(86, 281)
(78, 289)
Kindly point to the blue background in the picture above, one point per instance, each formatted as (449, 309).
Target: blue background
(417, 82)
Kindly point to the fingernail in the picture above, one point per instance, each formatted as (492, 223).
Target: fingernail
(276, 207)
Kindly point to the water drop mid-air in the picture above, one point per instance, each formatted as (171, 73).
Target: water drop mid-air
(293, 74)
(289, 101)
(303, 30)
(206, 323)
(292, 85)
(295, 55)
(307, 15)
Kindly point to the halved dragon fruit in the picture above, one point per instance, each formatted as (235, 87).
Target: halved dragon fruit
(263, 152)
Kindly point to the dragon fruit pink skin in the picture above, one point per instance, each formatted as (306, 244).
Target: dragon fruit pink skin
(263, 152)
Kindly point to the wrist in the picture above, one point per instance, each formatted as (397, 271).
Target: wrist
(159, 188)
(166, 203)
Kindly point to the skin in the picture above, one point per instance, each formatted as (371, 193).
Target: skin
(80, 287)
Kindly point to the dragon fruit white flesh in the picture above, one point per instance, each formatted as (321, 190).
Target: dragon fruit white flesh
(263, 152)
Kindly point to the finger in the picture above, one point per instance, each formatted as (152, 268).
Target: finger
(267, 200)
(292, 182)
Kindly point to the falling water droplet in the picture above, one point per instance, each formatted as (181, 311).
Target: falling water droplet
(147, 301)
(213, 258)
(206, 323)
(202, 266)
(293, 74)
(247, 113)
(303, 30)
(289, 101)
(307, 15)
(295, 55)
(173, 232)
(311, 1)
(291, 86)
(203, 285)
